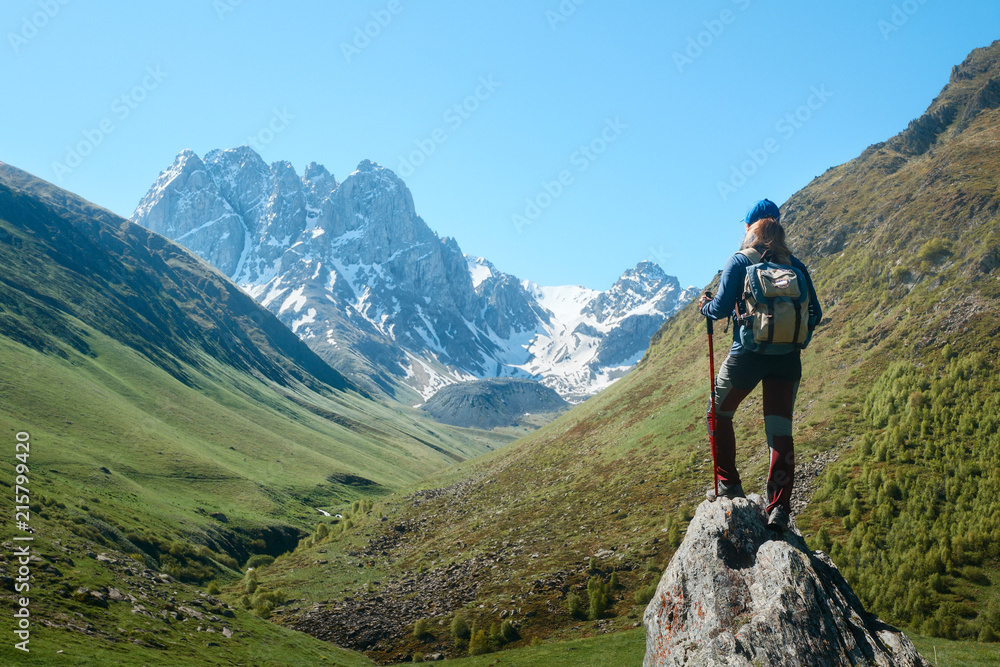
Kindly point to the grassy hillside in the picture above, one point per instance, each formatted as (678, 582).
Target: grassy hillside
(899, 391)
(177, 430)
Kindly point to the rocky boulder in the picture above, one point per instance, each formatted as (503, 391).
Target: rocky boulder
(738, 594)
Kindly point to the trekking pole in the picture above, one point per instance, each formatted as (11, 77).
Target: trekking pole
(711, 415)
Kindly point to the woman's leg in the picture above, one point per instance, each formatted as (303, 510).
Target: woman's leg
(737, 378)
(779, 403)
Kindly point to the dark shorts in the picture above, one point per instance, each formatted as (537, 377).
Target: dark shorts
(741, 373)
(747, 369)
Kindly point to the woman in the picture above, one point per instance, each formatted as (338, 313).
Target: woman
(743, 369)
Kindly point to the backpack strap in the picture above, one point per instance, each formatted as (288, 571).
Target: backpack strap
(738, 314)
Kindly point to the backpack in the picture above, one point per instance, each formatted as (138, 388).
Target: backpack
(776, 298)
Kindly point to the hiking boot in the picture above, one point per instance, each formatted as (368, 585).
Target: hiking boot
(730, 491)
(778, 520)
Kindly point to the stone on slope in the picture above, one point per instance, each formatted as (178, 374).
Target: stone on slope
(740, 595)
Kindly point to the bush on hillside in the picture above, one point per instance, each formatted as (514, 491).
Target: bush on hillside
(460, 629)
(508, 633)
(479, 643)
(922, 499)
(644, 594)
(260, 560)
(599, 596)
(421, 630)
(574, 605)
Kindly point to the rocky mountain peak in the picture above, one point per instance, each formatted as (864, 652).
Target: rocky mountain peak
(736, 593)
(316, 172)
(351, 268)
(648, 269)
(646, 283)
(319, 181)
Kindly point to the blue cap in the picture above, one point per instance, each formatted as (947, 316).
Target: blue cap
(765, 208)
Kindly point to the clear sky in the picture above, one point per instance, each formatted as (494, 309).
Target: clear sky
(564, 140)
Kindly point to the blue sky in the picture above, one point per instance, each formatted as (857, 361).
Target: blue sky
(564, 140)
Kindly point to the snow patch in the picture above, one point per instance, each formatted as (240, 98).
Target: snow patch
(295, 300)
(308, 318)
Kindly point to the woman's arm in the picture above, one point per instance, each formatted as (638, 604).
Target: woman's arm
(730, 289)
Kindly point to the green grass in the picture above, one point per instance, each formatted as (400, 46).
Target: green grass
(628, 648)
(258, 643)
(620, 648)
(117, 442)
(947, 653)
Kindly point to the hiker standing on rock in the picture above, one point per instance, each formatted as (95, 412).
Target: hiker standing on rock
(773, 303)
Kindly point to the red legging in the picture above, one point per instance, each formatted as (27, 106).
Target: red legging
(780, 375)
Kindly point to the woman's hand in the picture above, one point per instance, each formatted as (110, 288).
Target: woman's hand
(705, 298)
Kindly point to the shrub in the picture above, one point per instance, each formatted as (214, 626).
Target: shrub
(986, 634)
(674, 534)
(274, 598)
(460, 629)
(213, 588)
(420, 629)
(508, 632)
(933, 251)
(494, 637)
(479, 643)
(975, 574)
(644, 594)
(600, 598)
(322, 530)
(900, 274)
(260, 560)
(574, 605)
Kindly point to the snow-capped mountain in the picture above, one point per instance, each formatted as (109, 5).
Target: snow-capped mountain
(356, 273)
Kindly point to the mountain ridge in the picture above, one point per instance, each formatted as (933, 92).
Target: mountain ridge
(353, 269)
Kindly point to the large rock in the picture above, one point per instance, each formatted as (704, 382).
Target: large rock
(740, 595)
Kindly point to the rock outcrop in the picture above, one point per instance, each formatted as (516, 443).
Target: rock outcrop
(493, 402)
(740, 595)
